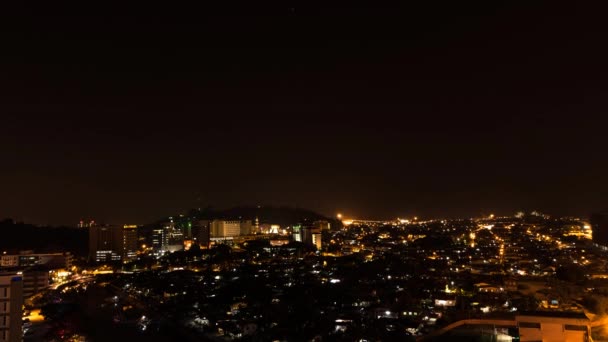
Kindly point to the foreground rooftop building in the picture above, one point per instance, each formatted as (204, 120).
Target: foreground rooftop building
(553, 327)
(538, 326)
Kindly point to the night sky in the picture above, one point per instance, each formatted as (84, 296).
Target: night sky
(129, 114)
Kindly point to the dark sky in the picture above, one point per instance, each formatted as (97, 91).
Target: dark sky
(129, 114)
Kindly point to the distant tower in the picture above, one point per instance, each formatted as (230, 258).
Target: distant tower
(187, 230)
(256, 229)
(204, 233)
(311, 235)
(129, 242)
(175, 237)
(160, 241)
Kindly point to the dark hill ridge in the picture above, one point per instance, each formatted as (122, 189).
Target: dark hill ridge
(283, 216)
(22, 236)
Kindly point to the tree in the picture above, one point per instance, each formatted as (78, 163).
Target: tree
(596, 304)
(570, 273)
(256, 245)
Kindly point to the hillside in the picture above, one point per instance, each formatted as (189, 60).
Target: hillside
(22, 236)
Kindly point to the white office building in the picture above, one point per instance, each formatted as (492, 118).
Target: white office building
(11, 303)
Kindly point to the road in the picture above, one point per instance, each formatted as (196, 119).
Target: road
(39, 327)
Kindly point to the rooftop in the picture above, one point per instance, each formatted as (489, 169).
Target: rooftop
(560, 314)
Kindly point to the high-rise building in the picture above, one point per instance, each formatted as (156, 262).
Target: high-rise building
(175, 237)
(256, 226)
(11, 304)
(221, 228)
(187, 230)
(599, 226)
(129, 242)
(311, 235)
(160, 241)
(204, 233)
(296, 232)
(105, 243)
(112, 243)
(316, 240)
(322, 225)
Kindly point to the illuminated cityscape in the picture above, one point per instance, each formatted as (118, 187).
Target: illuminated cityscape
(524, 277)
(303, 171)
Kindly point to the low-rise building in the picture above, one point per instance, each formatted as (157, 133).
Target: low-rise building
(28, 259)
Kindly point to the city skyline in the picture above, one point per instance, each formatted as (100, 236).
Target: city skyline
(379, 112)
(292, 170)
(526, 277)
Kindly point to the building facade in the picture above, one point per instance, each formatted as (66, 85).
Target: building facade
(35, 279)
(129, 242)
(322, 225)
(311, 236)
(105, 243)
(29, 259)
(204, 233)
(175, 237)
(11, 303)
(222, 228)
(553, 326)
(10, 260)
(296, 232)
(160, 241)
